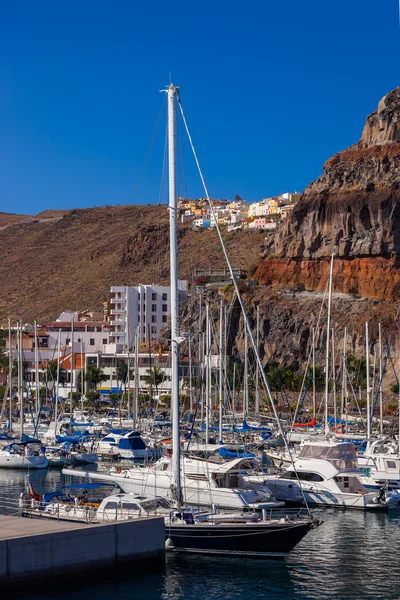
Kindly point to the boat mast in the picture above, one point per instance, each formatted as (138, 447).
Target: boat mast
(136, 401)
(258, 349)
(208, 387)
(367, 381)
(20, 379)
(334, 378)
(172, 93)
(314, 395)
(82, 372)
(221, 366)
(36, 376)
(246, 377)
(10, 366)
(328, 330)
(190, 375)
(57, 382)
(380, 380)
(72, 365)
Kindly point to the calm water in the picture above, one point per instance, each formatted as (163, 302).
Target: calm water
(351, 556)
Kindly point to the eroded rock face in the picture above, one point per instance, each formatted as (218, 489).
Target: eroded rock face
(383, 125)
(353, 209)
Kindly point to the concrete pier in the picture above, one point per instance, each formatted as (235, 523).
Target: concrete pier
(36, 547)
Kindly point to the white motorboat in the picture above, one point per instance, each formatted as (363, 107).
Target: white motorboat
(204, 482)
(124, 444)
(380, 464)
(329, 477)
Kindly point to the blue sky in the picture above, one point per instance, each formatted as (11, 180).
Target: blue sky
(271, 89)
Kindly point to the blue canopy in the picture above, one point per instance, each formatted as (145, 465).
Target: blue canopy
(229, 454)
(27, 439)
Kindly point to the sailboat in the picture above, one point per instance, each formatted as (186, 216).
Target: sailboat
(222, 534)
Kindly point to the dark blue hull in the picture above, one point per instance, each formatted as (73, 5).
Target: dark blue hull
(257, 540)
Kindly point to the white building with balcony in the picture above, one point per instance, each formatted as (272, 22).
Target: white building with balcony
(259, 209)
(142, 308)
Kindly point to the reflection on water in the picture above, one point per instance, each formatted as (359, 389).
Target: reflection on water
(352, 555)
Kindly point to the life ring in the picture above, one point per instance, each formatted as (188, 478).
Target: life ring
(118, 469)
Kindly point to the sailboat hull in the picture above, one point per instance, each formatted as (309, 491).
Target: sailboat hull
(259, 540)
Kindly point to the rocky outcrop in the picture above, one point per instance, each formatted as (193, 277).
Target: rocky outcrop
(353, 209)
(383, 125)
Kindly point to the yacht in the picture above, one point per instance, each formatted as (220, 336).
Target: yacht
(124, 444)
(186, 530)
(204, 482)
(380, 464)
(23, 455)
(329, 476)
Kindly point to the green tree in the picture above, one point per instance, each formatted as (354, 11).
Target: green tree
(95, 376)
(52, 373)
(280, 378)
(357, 370)
(154, 377)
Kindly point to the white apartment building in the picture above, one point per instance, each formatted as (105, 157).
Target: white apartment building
(142, 308)
(259, 209)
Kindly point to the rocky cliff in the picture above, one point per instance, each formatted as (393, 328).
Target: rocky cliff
(352, 211)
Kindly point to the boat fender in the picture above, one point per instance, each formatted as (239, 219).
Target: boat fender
(118, 469)
(169, 543)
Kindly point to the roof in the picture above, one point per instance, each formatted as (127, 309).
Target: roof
(79, 361)
(77, 324)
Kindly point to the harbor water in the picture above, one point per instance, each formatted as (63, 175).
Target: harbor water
(352, 555)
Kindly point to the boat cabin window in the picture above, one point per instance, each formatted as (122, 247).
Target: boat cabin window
(129, 506)
(150, 505)
(304, 476)
(391, 464)
(111, 506)
(349, 484)
(342, 456)
(233, 480)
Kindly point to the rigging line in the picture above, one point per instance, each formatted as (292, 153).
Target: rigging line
(147, 157)
(240, 300)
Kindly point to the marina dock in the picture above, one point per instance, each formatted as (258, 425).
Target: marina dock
(36, 547)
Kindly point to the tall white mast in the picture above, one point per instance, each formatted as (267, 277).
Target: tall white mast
(190, 375)
(10, 378)
(72, 364)
(172, 93)
(245, 377)
(136, 401)
(367, 380)
(328, 330)
(221, 366)
(36, 376)
(20, 379)
(334, 377)
(380, 380)
(208, 372)
(258, 348)
(314, 395)
(57, 382)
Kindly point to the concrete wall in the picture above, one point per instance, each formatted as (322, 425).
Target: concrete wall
(86, 547)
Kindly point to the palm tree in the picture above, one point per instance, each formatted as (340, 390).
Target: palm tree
(52, 372)
(154, 376)
(95, 376)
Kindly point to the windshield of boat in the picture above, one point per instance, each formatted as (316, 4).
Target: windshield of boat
(342, 456)
(153, 505)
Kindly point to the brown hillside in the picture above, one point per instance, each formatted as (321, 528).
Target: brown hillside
(46, 267)
(10, 218)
